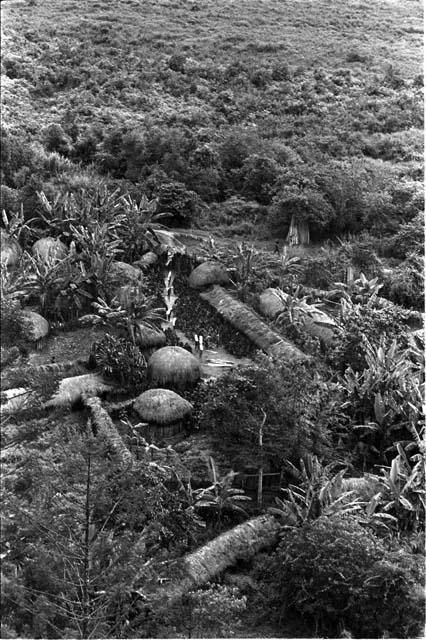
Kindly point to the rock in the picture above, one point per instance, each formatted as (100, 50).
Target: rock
(208, 273)
(70, 390)
(10, 248)
(35, 326)
(49, 249)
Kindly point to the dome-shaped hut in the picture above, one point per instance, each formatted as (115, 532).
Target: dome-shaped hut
(10, 249)
(208, 273)
(148, 337)
(173, 367)
(49, 249)
(35, 327)
(163, 410)
(270, 304)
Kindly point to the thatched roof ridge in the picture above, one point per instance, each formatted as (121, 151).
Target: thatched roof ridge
(239, 543)
(72, 389)
(162, 406)
(208, 273)
(173, 366)
(250, 323)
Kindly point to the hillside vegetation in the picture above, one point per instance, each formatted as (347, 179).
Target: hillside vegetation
(212, 297)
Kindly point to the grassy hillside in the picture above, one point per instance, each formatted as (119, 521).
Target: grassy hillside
(280, 104)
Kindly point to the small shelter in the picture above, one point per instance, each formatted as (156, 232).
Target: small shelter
(49, 249)
(173, 367)
(163, 410)
(208, 273)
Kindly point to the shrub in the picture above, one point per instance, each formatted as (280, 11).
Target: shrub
(336, 574)
(405, 286)
(177, 201)
(292, 398)
(408, 239)
(361, 323)
(55, 139)
(281, 71)
(121, 360)
(177, 62)
(259, 174)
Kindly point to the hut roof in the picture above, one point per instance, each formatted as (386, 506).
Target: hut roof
(162, 406)
(122, 273)
(270, 305)
(173, 366)
(149, 337)
(10, 249)
(208, 273)
(147, 260)
(49, 249)
(35, 326)
(243, 318)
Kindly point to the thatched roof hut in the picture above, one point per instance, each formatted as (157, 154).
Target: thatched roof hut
(174, 367)
(208, 273)
(270, 305)
(162, 406)
(243, 318)
(316, 322)
(121, 273)
(10, 249)
(148, 337)
(147, 260)
(49, 248)
(35, 326)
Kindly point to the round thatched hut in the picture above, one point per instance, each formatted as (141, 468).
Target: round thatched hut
(10, 249)
(122, 273)
(49, 249)
(148, 337)
(270, 304)
(35, 327)
(147, 260)
(173, 367)
(208, 273)
(163, 410)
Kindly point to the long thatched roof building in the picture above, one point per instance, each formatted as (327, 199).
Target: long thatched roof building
(251, 324)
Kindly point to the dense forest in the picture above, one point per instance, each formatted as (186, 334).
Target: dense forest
(212, 310)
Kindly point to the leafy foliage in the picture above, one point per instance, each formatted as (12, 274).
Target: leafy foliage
(120, 359)
(332, 568)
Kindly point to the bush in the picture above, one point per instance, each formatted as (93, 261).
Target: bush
(405, 286)
(55, 139)
(181, 204)
(293, 400)
(177, 62)
(336, 574)
(121, 360)
(361, 323)
(408, 239)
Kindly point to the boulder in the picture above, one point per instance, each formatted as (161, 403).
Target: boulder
(147, 260)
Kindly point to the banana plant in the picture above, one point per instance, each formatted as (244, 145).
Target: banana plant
(220, 497)
(318, 494)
